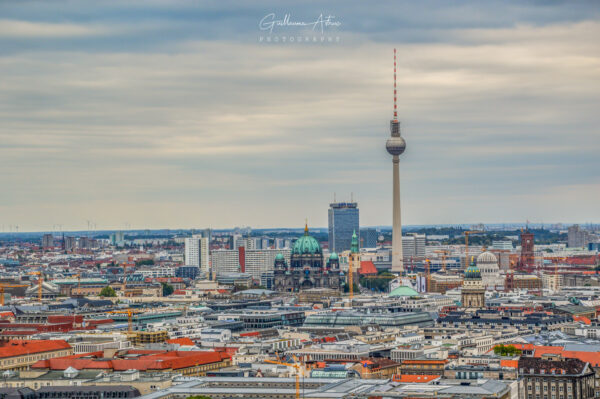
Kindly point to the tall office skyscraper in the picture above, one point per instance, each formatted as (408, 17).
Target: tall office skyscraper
(396, 145)
(196, 253)
(343, 221)
(368, 238)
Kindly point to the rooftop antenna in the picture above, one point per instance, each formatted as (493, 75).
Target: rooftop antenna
(351, 197)
(333, 197)
(395, 105)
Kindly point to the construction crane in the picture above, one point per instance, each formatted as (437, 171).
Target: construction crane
(467, 233)
(40, 281)
(294, 365)
(428, 275)
(78, 281)
(444, 253)
(3, 286)
(129, 313)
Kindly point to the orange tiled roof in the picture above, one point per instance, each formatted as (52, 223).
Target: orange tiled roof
(27, 347)
(367, 267)
(418, 378)
(582, 319)
(424, 361)
(159, 360)
(181, 341)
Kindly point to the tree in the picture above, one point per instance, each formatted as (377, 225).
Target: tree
(355, 288)
(108, 291)
(144, 262)
(506, 350)
(167, 289)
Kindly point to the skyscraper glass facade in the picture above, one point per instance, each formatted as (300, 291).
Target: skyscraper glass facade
(343, 221)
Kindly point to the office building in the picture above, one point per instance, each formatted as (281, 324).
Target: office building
(368, 238)
(225, 261)
(260, 261)
(196, 253)
(47, 241)
(413, 246)
(502, 245)
(190, 272)
(70, 243)
(117, 239)
(343, 221)
(577, 238)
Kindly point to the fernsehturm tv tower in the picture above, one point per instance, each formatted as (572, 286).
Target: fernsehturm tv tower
(396, 145)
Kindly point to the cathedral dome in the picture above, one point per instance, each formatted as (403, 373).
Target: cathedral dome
(279, 256)
(472, 272)
(333, 256)
(486, 258)
(306, 244)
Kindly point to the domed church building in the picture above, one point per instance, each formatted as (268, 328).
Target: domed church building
(306, 269)
(487, 263)
(473, 291)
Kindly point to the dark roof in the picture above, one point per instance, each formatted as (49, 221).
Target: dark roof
(538, 366)
(92, 388)
(17, 393)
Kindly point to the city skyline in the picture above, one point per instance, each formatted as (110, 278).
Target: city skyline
(163, 120)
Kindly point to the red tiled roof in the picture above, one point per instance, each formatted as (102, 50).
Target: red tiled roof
(367, 267)
(181, 341)
(582, 319)
(27, 347)
(158, 360)
(418, 378)
(424, 361)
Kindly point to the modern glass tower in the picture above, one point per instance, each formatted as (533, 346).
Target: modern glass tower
(343, 221)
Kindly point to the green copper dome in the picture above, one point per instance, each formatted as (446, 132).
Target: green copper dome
(334, 256)
(472, 272)
(403, 291)
(306, 244)
(279, 256)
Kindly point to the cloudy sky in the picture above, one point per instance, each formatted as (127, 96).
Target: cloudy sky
(180, 114)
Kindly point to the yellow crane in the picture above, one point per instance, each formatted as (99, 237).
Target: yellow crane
(294, 365)
(444, 253)
(467, 233)
(129, 313)
(3, 286)
(40, 281)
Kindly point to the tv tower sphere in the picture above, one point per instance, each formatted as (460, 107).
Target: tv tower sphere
(395, 145)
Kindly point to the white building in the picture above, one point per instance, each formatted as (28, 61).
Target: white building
(225, 261)
(260, 261)
(196, 252)
(505, 245)
(413, 246)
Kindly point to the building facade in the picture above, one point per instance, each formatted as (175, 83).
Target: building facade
(555, 378)
(368, 238)
(343, 221)
(196, 253)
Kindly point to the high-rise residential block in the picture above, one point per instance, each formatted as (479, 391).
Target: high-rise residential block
(196, 253)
